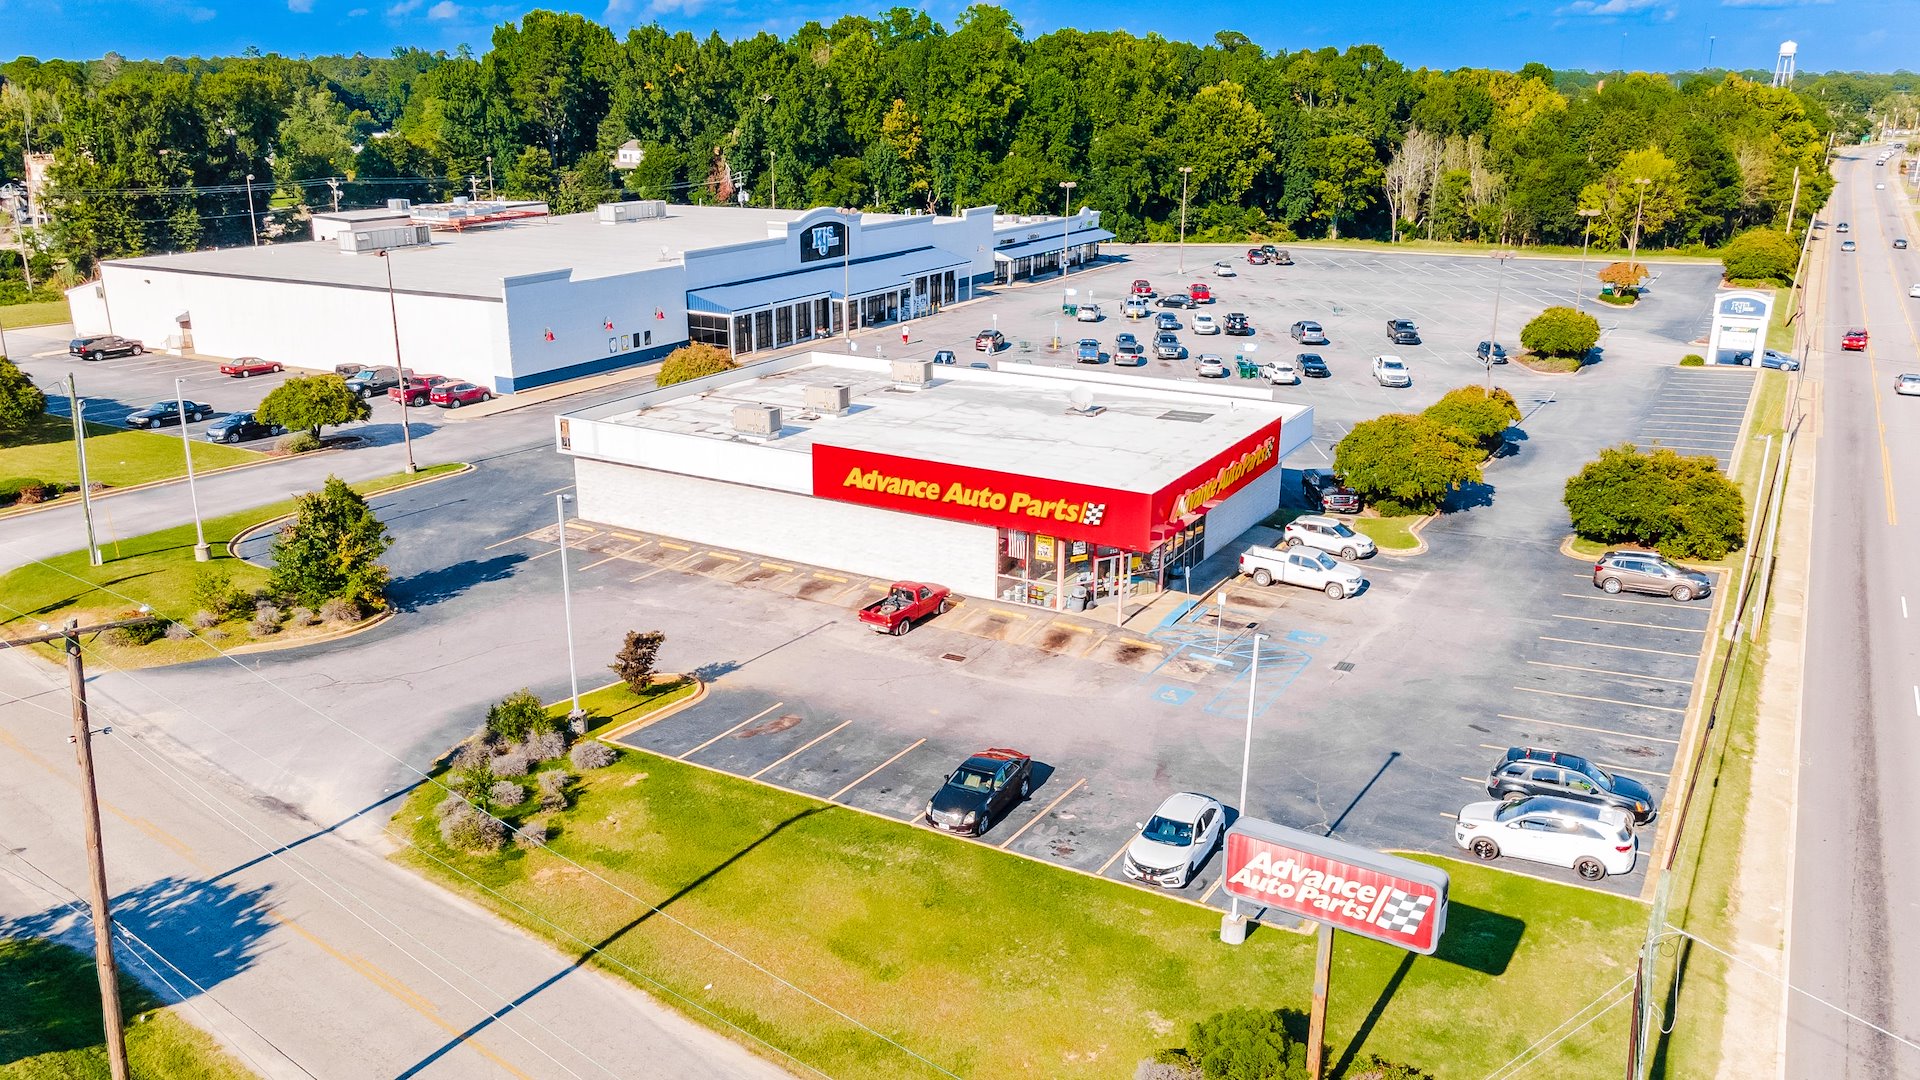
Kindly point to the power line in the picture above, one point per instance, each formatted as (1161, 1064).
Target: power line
(1529, 1055)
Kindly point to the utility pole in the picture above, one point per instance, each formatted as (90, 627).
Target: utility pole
(400, 371)
(78, 409)
(490, 194)
(1586, 232)
(110, 1014)
(1185, 171)
(1794, 206)
(333, 182)
(1493, 338)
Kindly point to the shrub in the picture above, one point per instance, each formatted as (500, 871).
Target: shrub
(592, 754)
(1693, 360)
(634, 662)
(1618, 299)
(1623, 276)
(1760, 255)
(203, 619)
(1404, 464)
(553, 788)
(533, 833)
(1681, 506)
(213, 592)
(331, 549)
(262, 626)
(517, 715)
(475, 781)
(30, 493)
(179, 631)
(452, 804)
(468, 754)
(1166, 1070)
(26, 491)
(303, 617)
(1245, 1044)
(340, 610)
(546, 745)
(1378, 1068)
(21, 402)
(1473, 417)
(300, 442)
(507, 793)
(693, 361)
(1561, 331)
(265, 612)
(510, 762)
(214, 634)
(469, 829)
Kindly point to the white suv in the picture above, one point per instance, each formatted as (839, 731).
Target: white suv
(1391, 371)
(1136, 308)
(1330, 536)
(1281, 373)
(1205, 324)
(1594, 841)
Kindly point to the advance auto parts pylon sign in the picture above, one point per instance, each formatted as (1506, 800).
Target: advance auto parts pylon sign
(1356, 889)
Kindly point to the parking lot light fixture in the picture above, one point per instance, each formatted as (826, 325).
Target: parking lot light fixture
(399, 372)
(1066, 223)
(1586, 232)
(1633, 253)
(1493, 338)
(1246, 749)
(1185, 172)
(576, 716)
(201, 553)
(78, 410)
(253, 222)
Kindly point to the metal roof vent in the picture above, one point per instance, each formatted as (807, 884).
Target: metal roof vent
(760, 420)
(836, 399)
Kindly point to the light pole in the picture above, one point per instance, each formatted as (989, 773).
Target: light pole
(78, 409)
(490, 195)
(201, 553)
(566, 596)
(253, 223)
(406, 388)
(846, 275)
(1493, 336)
(1586, 230)
(1185, 171)
(1066, 223)
(1239, 932)
(1633, 252)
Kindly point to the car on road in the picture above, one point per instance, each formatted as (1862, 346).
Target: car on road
(1166, 320)
(1846, 245)
(1907, 384)
(376, 380)
(1205, 324)
(1210, 366)
(1135, 308)
(1224, 269)
(1281, 372)
(906, 603)
(419, 388)
(241, 427)
(1491, 352)
(1128, 350)
(983, 788)
(1328, 535)
(1167, 347)
(1914, 291)
(245, 367)
(1842, 227)
(93, 348)
(452, 395)
(1087, 313)
(988, 341)
(1307, 569)
(1308, 332)
(1527, 770)
(1855, 340)
(1403, 332)
(1176, 300)
(162, 413)
(1779, 361)
(1087, 351)
(1175, 842)
(1593, 841)
(1900, 244)
(1391, 371)
(1256, 257)
(1646, 572)
(1141, 288)
(1323, 491)
(1200, 293)
(1880, 187)
(1237, 324)
(1313, 367)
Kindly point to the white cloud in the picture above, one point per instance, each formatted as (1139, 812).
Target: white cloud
(1603, 8)
(1772, 3)
(445, 9)
(300, 7)
(404, 8)
(356, 13)
(200, 14)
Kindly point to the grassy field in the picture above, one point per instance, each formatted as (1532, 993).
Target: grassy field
(990, 964)
(37, 313)
(156, 569)
(50, 1023)
(116, 457)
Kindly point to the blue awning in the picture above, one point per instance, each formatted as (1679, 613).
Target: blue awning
(860, 278)
(1051, 243)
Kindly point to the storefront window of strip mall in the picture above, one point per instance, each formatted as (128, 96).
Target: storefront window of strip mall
(1075, 575)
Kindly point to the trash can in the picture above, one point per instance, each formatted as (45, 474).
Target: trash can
(1070, 309)
(1077, 598)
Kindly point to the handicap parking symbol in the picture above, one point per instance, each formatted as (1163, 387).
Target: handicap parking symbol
(1172, 695)
(1305, 637)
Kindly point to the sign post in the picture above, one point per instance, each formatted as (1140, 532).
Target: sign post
(1317, 1019)
(1740, 319)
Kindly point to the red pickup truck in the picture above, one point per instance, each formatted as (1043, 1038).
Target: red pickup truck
(906, 603)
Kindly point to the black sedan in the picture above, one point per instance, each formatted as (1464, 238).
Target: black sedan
(1237, 324)
(162, 413)
(1176, 300)
(241, 427)
(984, 787)
(1525, 770)
(1312, 366)
(1403, 332)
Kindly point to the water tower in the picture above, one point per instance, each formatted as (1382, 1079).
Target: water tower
(1783, 64)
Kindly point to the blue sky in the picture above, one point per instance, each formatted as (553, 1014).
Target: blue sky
(1659, 35)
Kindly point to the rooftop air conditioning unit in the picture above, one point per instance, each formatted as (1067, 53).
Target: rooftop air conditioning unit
(835, 399)
(913, 372)
(760, 420)
(399, 204)
(461, 200)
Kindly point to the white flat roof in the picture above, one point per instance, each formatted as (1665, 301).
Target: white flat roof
(1148, 433)
(472, 263)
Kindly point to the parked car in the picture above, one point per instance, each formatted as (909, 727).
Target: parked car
(1176, 300)
(1087, 313)
(1256, 257)
(1779, 361)
(1205, 324)
(1200, 293)
(1087, 351)
(1490, 352)
(1391, 371)
(1136, 308)
(162, 413)
(93, 348)
(1854, 341)
(1210, 366)
(1594, 841)
(370, 381)
(1907, 384)
(419, 389)
(1224, 268)
(246, 367)
(1281, 372)
(1128, 351)
(348, 371)
(1312, 366)
(1403, 332)
(1308, 332)
(1278, 256)
(1237, 324)
(452, 395)
(989, 341)
(1329, 535)
(241, 427)
(906, 603)
(1646, 572)
(1174, 843)
(1307, 569)
(1527, 770)
(945, 356)
(985, 786)
(1166, 320)
(1323, 491)
(1142, 288)
(1168, 347)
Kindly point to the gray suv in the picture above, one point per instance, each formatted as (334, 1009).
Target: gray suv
(1645, 572)
(1168, 347)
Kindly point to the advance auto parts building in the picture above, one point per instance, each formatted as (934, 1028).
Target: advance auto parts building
(1032, 485)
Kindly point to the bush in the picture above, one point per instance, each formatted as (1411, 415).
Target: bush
(1245, 1044)
(265, 612)
(213, 592)
(516, 716)
(1561, 331)
(533, 833)
(468, 829)
(340, 610)
(1681, 506)
(1626, 299)
(693, 361)
(1693, 360)
(506, 793)
(468, 754)
(1760, 255)
(475, 781)
(1166, 1070)
(179, 631)
(21, 402)
(25, 491)
(510, 762)
(545, 745)
(204, 619)
(592, 754)
(145, 633)
(1378, 1068)
(300, 442)
(1404, 464)
(553, 788)
(331, 549)
(1473, 417)
(452, 804)
(262, 626)
(303, 617)
(634, 662)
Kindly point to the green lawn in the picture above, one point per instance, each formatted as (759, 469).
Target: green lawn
(1551, 364)
(991, 964)
(50, 1023)
(613, 706)
(1391, 533)
(37, 313)
(157, 570)
(116, 457)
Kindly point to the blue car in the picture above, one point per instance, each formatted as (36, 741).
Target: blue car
(1779, 361)
(1087, 351)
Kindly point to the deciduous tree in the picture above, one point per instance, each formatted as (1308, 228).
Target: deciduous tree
(21, 402)
(331, 551)
(1403, 464)
(312, 402)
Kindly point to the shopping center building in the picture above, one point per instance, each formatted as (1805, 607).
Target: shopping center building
(1034, 485)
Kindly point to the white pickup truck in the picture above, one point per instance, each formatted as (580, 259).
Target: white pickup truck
(1304, 567)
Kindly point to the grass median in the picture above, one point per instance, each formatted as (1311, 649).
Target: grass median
(36, 313)
(116, 457)
(721, 896)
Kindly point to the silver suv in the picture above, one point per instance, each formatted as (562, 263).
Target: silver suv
(1329, 535)
(1645, 572)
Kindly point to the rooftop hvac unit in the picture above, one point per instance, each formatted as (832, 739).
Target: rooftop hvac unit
(761, 420)
(645, 210)
(835, 399)
(399, 204)
(461, 200)
(913, 372)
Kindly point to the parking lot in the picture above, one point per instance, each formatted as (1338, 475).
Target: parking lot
(1697, 412)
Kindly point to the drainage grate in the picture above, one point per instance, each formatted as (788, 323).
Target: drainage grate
(954, 656)
(1343, 665)
(1186, 416)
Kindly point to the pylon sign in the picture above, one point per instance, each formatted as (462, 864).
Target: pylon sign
(1740, 319)
(1383, 897)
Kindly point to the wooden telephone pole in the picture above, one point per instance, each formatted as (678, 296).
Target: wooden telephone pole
(69, 637)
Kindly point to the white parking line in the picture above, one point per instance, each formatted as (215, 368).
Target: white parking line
(835, 797)
(1640, 625)
(1584, 727)
(802, 749)
(1044, 813)
(1604, 671)
(1611, 767)
(1622, 600)
(1625, 648)
(731, 730)
(1598, 700)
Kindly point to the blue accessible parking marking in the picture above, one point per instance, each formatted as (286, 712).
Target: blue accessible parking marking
(1172, 695)
(1304, 637)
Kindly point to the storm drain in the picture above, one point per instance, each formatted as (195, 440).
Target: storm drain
(954, 656)
(1343, 665)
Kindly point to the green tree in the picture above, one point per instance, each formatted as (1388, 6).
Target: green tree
(518, 715)
(1346, 173)
(312, 402)
(1225, 140)
(1682, 506)
(21, 402)
(1621, 198)
(1473, 417)
(635, 661)
(1760, 255)
(314, 142)
(692, 362)
(331, 551)
(530, 175)
(1561, 332)
(1404, 464)
(1245, 1044)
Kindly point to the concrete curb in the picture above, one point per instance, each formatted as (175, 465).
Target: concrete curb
(699, 695)
(250, 531)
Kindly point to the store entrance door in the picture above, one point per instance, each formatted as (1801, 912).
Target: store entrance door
(1106, 576)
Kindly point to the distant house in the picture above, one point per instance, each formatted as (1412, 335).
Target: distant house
(629, 155)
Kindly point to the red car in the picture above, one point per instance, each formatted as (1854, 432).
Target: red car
(1256, 257)
(419, 388)
(1855, 341)
(1143, 288)
(452, 395)
(245, 366)
(1201, 292)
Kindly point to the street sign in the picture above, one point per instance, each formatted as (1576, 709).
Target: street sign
(1383, 897)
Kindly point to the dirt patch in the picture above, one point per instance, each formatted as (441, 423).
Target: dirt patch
(813, 587)
(1055, 639)
(998, 627)
(768, 727)
(761, 574)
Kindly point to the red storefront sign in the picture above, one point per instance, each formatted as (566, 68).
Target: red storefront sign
(1384, 897)
(1102, 515)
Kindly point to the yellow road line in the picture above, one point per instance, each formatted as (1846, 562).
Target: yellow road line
(731, 730)
(66, 776)
(1583, 727)
(1213, 888)
(803, 748)
(835, 797)
(1604, 671)
(1641, 625)
(1044, 813)
(1623, 648)
(1600, 700)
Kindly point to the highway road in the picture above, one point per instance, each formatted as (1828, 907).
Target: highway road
(1855, 924)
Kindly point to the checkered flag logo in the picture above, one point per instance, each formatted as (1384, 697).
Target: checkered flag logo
(1401, 913)
(1092, 513)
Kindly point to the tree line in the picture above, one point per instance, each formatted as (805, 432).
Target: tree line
(898, 112)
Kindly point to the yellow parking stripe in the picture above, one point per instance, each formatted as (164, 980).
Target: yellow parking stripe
(1044, 813)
